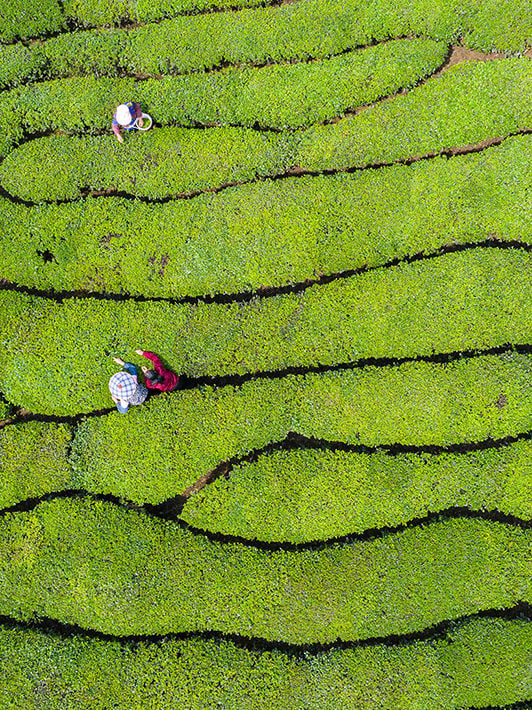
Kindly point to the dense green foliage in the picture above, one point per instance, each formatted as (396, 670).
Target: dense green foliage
(273, 232)
(158, 578)
(169, 161)
(483, 662)
(313, 27)
(460, 301)
(160, 449)
(302, 495)
(467, 104)
(24, 18)
(33, 460)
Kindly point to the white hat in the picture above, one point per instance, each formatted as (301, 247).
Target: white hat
(123, 115)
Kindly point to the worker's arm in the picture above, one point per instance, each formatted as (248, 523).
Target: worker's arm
(156, 360)
(116, 131)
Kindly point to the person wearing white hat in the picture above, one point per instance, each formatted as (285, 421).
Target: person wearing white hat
(125, 388)
(126, 117)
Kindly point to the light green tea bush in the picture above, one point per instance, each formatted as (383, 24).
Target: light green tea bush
(467, 104)
(33, 460)
(270, 233)
(480, 663)
(300, 29)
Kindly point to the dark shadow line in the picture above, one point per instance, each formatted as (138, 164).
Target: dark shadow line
(370, 534)
(440, 631)
(268, 291)
(293, 172)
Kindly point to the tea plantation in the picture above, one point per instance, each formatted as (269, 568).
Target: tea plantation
(327, 233)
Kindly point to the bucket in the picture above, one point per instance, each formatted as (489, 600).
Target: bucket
(148, 123)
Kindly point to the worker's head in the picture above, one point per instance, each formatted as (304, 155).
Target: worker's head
(151, 376)
(123, 115)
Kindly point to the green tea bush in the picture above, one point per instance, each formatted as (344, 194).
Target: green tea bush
(270, 233)
(169, 161)
(309, 494)
(167, 445)
(93, 564)
(474, 299)
(480, 663)
(105, 12)
(33, 460)
(467, 104)
(306, 92)
(156, 453)
(25, 18)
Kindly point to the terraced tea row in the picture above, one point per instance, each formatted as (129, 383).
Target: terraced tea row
(469, 103)
(294, 495)
(480, 663)
(349, 79)
(475, 299)
(311, 494)
(270, 233)
(95, 565)
(299, 28)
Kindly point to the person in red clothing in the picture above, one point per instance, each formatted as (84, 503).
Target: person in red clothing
(159, 378)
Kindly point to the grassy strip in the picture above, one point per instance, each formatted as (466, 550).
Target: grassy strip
(483, 662)
(460, 301)
(315, 28)
(270, 233)
(469, 103)
(157, 451)
(302, 495)
(33, 461)
(103, 568)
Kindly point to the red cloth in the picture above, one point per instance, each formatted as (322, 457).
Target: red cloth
(170, 379)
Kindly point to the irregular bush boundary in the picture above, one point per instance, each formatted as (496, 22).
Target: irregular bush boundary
(341, 225)
(162, 578)
(469, 300)
(470, 102)
(468, 662)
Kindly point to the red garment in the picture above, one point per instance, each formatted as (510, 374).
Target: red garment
(170, 379)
